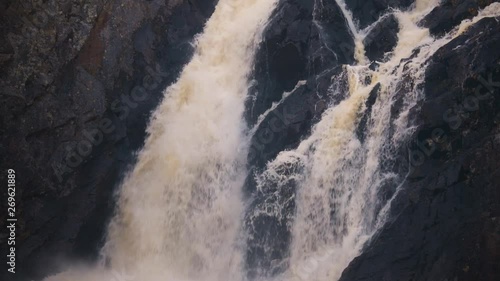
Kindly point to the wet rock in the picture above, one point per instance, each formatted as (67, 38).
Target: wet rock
(444, 223)
(283, 128)
(368, 12)
(302, 39)
(451, 12)
(292, 118)
(268, 224)
(303, 47)
(382, 38)
(370, 101)
(78, 83)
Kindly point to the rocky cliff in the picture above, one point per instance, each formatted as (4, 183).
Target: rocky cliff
(80, 78)
(445, 224)
(78, 81)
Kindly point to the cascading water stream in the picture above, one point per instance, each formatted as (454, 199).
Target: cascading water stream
(180, 210)
(339, 178)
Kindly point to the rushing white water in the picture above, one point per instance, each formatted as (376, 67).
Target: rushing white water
(180, 209)
(339, 206)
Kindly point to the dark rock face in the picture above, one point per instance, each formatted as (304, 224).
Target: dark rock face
(283, 128)
(78, 82)
(382, 38)
(446, 224)
(370, 101)
(367, 12)
(451, 12)
(301, 40)
(306, 42)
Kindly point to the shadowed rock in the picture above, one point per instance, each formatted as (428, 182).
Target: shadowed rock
(451, 12)
(366, 12)
(445, 222)
(382, 38)
(77, 84)
(302, 40)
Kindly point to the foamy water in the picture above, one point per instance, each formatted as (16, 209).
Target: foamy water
(338, 192)
(180, 210)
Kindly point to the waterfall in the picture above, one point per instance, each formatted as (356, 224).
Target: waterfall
(180, 210)
(343, 186)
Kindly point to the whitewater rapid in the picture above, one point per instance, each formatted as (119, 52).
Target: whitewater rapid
(180, 210)
(344, 192)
